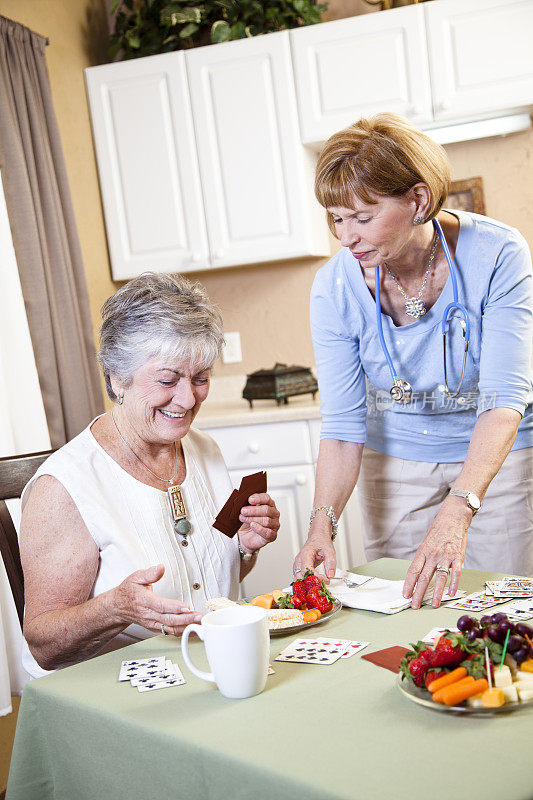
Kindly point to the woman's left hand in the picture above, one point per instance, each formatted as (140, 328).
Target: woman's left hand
(444, 545)
(260, 522)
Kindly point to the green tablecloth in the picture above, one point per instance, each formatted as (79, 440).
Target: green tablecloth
(316, 732)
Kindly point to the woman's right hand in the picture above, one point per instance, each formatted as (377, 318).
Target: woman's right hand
(317, 549)
(135, 602)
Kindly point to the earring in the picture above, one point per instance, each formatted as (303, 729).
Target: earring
(418, 220)
(120, 399)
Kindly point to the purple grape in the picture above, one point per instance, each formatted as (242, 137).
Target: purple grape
(515, 643)
(485, 621)
(479, 632)
(472, 635)
(499, 617)
(521, 655)
(504, 626)
(465, 623)
(524, 630)
(495, 633)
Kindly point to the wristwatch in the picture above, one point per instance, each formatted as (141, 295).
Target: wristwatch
(472, 500)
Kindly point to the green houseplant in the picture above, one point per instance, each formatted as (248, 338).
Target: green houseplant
(147, 27)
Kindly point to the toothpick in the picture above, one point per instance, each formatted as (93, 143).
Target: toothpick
(487, 662)
(505, 647)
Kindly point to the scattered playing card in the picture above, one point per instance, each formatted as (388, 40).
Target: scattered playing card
(355, 647)
(130, 669)
(150, 685)
(270, 671)
(430, 637)
(389, 658)
(311, 651)
(478, 601)
(446, 597)
(519, 610)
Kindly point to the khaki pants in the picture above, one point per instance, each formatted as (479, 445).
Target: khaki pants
(400, 498)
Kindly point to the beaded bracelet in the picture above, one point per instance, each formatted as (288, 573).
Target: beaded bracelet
(331, 514)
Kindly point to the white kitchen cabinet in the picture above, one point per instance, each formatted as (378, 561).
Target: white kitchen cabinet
(481, 56)
(224, 182)
(257, 178)
(359, 66)
(148, 167)
(287, 451)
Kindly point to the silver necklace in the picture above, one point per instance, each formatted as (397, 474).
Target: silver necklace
(414, 306)
(175, 497)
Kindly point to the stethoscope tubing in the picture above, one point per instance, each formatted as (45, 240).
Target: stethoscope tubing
(454, 305)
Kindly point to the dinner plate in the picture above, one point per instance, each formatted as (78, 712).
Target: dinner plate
(418, 695)
(337, 605)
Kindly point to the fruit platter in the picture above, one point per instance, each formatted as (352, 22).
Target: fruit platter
(309, 602)
(483, 667)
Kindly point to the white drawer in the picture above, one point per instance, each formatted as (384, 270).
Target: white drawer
(258, 446)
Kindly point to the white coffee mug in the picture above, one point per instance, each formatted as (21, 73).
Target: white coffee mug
(237, 644)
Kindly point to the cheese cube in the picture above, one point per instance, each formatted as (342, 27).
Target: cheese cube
(475, 701)
(525, 693)
(493, 698)
(527, 665)
(521, 675)
(511, 695)
(502, 677)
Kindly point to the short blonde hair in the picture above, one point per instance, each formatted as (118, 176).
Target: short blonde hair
(383, 155)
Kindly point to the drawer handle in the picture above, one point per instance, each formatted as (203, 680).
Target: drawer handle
(301, 480)
(253, 447)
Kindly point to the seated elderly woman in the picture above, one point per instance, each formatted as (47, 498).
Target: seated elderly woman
(116, 535)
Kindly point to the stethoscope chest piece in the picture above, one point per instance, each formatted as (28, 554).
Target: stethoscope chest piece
(401, 391)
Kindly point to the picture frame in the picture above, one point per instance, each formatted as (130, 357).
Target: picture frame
(467, 195)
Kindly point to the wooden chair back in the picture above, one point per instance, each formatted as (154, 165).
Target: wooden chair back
(15, 472)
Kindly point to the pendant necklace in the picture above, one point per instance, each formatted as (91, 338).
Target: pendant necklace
(414, 306)
(175, 497)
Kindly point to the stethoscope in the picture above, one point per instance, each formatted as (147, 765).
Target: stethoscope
(401, 390)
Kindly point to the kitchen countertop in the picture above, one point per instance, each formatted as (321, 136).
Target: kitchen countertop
(225, 406)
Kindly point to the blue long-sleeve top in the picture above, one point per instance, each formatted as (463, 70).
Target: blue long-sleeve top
(495, 283)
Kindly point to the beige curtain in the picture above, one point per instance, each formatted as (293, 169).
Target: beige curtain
(45, 236)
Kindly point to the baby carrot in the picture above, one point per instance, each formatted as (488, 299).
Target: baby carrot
(451, 677)
(439, 695)
(312, 615)
(457, 693)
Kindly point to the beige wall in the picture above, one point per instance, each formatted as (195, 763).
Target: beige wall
(266, 304)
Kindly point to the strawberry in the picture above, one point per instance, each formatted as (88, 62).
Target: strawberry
(415, 663)
(432, 675)
(311, 579)
(448, 652)
(299, 589)
(299, 603)
(320, 597)
(418, 668)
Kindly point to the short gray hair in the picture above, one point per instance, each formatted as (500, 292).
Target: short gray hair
(157, 315)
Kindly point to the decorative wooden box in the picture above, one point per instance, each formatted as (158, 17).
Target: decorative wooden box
(279, 383)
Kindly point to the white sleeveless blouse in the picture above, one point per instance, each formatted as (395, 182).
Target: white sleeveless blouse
(132, 525)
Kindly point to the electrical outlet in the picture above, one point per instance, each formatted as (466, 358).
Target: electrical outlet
(232, 352)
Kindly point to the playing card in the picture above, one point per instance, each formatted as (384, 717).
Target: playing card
(478, 601)
(173, 677)
(354, 647)
(518, 585)
(520, 610)
(311, 651)
(270, 671)
(227, 520)
(389, 658)
(349, 646)
(131, 669)
(167, 671)
(434, 632)
(446, 597)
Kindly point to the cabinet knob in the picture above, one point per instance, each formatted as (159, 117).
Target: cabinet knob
(416, 111)
(196, 257)
(253, 447)
(445, 105)
(301, 480)
(218, 254)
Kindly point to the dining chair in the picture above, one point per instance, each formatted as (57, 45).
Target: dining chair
(15, 472)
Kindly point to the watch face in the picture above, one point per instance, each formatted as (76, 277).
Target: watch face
(473, 501)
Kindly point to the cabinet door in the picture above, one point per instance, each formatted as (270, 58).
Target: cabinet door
(292, 490)
(256, 176)
(481, 56)
(147, 163)
(359, 66)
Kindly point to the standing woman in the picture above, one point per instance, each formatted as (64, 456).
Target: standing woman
(431, 437)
